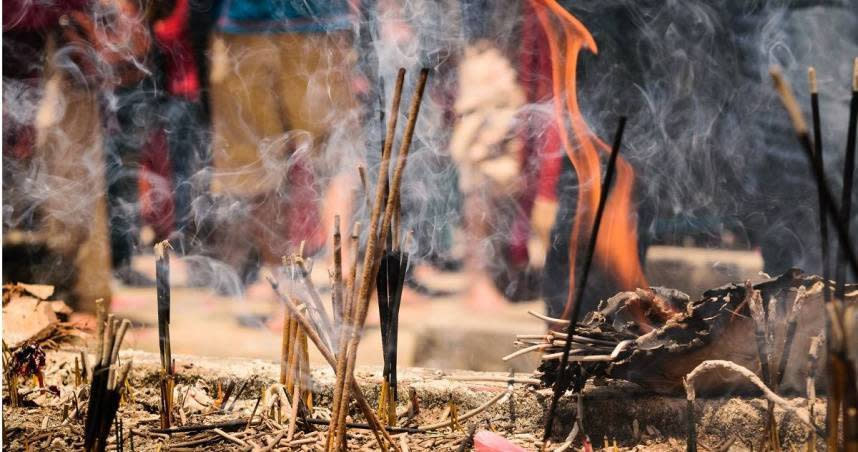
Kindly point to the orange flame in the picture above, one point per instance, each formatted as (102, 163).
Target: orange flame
(617, 247)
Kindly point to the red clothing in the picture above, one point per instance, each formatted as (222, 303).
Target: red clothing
(542, 156)
(172, 36)
(542, 138)
(37, 16)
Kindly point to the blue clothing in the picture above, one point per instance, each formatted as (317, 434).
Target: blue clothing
(282, 16)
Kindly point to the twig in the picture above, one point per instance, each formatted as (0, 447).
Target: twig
(229, 437)
(253, 413)
(468, 415)
(552, 320)
(518, 380)
(812, 360)
(316, 308)
(716, 364)
(691, 442)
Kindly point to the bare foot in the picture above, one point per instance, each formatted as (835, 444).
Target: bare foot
(484, 296)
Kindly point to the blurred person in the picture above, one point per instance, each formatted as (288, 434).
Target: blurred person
(62, 180)
(506, 151)
(183, 115)
(488, 153)
(119, 33)
(280, 83)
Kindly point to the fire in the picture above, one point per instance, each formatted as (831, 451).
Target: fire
(617, 247)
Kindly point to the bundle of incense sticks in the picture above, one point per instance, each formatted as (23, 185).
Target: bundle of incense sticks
(162, 284)
(389, 283)
(295, 362)
(349, 341)
(107, 379)
(842, 394)
(390, 280)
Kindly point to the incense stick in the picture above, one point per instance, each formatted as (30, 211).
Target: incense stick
(337, 296)
(817, 153)
(800, 127)
(106, 383)
(162, 281)
(792, 326)
(562, 380)
(848, 182)
(316, 308)
(350, 283)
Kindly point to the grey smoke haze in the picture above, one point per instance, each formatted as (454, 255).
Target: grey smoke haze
(708, 139)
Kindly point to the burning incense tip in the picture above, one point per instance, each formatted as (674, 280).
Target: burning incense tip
(855, 74)
(811, 76)
(161, 248)
(788, 99)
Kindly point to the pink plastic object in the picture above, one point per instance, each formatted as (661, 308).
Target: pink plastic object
(486, 441)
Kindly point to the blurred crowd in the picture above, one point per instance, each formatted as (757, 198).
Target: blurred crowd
(234, 129)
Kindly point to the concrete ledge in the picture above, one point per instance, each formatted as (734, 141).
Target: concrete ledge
(611, 408)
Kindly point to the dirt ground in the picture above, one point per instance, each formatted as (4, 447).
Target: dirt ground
(613, 411)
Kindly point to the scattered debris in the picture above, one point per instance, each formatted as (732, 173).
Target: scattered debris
(29, 316)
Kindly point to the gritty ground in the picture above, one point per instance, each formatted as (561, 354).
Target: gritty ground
(613, 411)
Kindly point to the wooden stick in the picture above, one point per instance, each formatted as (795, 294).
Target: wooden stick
(755, 306)
(691, 442)
(316, 308)
(370, 260)
(304, 374)
(716, 364)
(578, 297)
(100, 320)
(369, 257)
(792, 326)
(468, 415)
(813, 358)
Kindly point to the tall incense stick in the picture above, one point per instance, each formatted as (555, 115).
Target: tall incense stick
(817, 154)
(561, 384)
(848, 182)
(162, 281)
